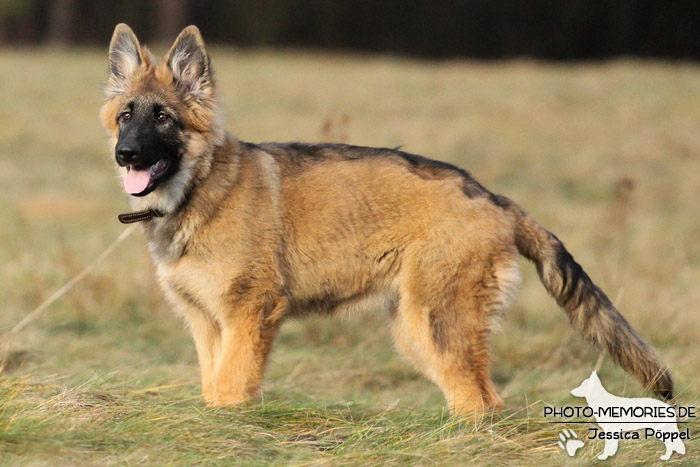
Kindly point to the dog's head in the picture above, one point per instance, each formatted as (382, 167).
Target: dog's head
(588, 384)
(162, 120)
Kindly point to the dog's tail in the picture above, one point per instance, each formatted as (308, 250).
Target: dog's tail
(589, 310)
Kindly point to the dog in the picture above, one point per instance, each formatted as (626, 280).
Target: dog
(659, 425)
(244, 235)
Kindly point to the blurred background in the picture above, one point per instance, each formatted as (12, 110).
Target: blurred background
(562, 30)
(585, 112)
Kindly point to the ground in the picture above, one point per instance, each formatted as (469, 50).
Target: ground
(606, 155)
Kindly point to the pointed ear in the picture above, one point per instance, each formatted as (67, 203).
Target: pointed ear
(189, 63)
(124, 55)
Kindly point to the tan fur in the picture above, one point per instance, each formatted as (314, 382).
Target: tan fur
(254, 233)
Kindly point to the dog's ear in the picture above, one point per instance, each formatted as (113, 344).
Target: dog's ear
(125, 56)
(189, 63)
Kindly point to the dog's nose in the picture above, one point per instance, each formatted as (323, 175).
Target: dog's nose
(127, 154)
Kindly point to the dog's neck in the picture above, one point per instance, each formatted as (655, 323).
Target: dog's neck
(596, 394)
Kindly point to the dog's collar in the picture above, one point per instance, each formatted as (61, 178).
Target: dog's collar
(131, 217)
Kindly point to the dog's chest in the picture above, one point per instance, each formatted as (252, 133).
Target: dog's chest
(190, 285)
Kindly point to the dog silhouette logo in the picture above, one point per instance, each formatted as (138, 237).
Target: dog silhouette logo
(623, 417)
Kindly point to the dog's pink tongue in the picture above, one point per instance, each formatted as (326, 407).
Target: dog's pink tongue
(136, 181)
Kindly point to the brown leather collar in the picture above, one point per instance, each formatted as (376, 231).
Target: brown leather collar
(131, 217)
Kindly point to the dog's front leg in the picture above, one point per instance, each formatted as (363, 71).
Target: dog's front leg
(206, 333)
(609, 450)
(246, 340)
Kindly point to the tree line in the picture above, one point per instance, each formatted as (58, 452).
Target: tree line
(550, 29)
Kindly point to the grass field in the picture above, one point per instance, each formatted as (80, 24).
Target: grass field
(605, 155)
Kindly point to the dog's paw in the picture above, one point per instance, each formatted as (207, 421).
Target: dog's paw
(570, 442)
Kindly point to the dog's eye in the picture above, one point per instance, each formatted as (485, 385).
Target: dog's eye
(126, 116)
(162, 116)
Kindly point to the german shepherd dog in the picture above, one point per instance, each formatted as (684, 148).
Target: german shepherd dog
(244, 235)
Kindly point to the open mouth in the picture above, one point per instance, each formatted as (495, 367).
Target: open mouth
(141, 181)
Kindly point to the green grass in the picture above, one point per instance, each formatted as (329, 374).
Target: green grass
(107, 375)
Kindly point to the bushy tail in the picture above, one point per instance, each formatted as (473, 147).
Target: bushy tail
(589, 310)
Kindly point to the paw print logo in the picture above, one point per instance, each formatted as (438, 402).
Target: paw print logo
(569, 442)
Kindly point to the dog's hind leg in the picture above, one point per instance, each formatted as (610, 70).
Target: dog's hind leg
(669, 451)
(456, 363)
(443, 324)
(671, 447)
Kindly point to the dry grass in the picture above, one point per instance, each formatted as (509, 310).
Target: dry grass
(605, 155)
